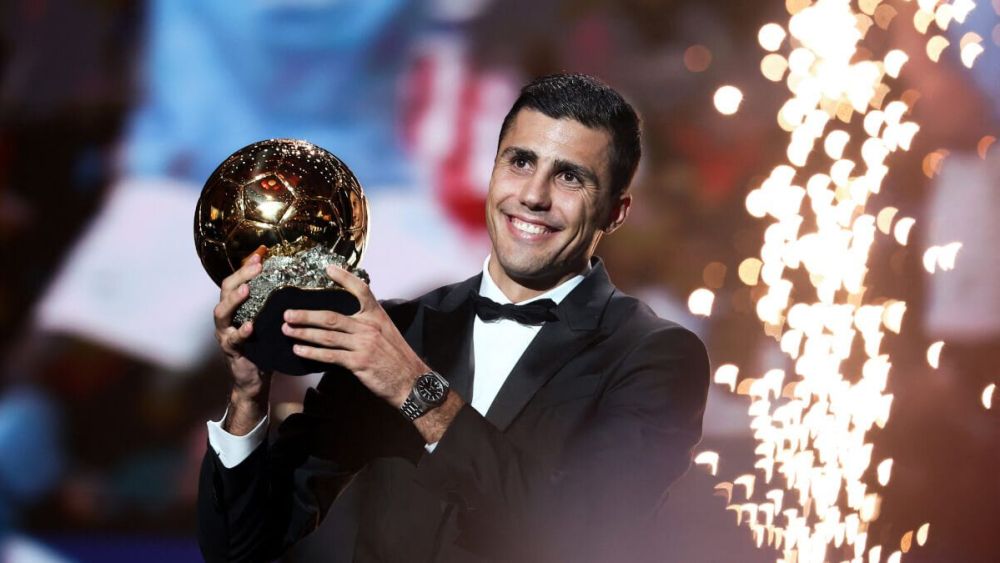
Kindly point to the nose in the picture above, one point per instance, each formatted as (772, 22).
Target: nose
(535, 193)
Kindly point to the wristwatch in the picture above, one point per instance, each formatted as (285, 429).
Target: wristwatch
(429, 391)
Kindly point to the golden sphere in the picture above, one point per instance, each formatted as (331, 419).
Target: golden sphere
(284, 194)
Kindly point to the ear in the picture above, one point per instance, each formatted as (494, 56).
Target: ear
(619, 212)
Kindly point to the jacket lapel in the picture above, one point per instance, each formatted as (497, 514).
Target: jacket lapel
(555, 344)
(446, 339)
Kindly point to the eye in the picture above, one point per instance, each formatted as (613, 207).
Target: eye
(520, 164)
(570, 178)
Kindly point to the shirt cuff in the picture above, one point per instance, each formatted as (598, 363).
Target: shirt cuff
(232, 449)
(430, 447)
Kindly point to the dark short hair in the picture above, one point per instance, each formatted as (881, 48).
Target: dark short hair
(593, 103)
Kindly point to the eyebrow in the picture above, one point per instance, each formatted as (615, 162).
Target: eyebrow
(561, 165)
(519, 152)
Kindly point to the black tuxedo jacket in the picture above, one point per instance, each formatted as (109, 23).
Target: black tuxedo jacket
(571, 463)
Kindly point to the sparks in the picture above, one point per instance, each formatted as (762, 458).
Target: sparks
(812, 425)
(988, 395)
(710, 460)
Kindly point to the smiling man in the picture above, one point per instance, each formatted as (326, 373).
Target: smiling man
(531, 413)
(547, 206)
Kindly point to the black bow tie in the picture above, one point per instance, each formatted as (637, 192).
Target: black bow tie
(534, 313)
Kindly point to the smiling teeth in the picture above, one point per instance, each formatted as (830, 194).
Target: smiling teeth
(528, 227)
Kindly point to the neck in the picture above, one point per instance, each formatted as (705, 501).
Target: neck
(521, 289)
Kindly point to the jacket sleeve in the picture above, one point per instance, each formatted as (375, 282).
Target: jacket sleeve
(602, 494)
(257, 509)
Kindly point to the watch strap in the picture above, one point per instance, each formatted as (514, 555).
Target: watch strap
(410, 409)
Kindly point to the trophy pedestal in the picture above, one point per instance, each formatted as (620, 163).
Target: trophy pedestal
(271, 349)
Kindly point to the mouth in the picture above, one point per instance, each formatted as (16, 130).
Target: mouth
(531, 230)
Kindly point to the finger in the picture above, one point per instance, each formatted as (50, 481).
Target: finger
(250, 268)
(329, 320)
(322, 337)
(245, 273)
(233, 337)
(259, 254)
(223, 312)
(326, 355)
(353, 284)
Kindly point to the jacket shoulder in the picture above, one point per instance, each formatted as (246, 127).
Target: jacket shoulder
(631, 317)
(640, 333)
(647, 340)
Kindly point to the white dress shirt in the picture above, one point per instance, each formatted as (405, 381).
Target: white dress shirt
(497, 346)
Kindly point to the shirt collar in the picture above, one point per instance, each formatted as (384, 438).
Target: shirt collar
(488, 288)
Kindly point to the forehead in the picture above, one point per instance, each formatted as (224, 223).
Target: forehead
(560, 139)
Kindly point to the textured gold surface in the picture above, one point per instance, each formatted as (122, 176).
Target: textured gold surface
(280, 194)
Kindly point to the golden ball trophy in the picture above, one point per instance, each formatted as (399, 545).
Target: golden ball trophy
(301, 208)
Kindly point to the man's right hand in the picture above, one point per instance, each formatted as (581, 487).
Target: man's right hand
(251, 386)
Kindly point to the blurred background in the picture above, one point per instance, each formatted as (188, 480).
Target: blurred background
(114, 112)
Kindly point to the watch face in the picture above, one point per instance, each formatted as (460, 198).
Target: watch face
(430, 388)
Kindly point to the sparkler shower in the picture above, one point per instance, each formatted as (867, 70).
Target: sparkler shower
(810, 495)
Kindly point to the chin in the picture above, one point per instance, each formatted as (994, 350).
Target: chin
(528, 267)
(518, 266)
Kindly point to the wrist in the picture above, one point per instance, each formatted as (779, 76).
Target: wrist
(248, 399)
(435, 423)
(252, 389)
(246, 409)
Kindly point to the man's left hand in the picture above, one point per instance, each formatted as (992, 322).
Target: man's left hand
(367, 342)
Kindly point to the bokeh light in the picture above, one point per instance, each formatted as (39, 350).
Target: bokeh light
(728, 99)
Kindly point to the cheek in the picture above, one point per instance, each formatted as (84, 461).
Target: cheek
(494, 218)
(496, 191)
(499, 195)
(580, 212)
(491, 200)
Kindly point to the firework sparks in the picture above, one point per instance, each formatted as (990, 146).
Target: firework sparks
(988, 395)
(971, 47)
(726, 375)
(934, 354)
(984, 144)
(941, 257)
(884, 472)
(771, 36)
(710, 460)
(922, 533)
(902, 230)
(811, 426)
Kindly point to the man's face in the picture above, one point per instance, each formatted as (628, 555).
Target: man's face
(549, 199)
